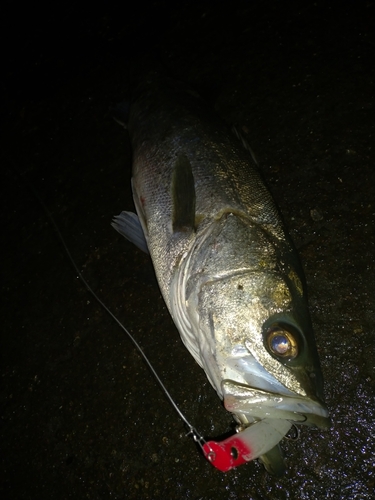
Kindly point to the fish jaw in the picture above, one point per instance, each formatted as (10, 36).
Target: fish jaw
(248, 403)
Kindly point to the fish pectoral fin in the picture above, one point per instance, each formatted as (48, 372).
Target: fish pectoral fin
(183, 196)
(129, 226)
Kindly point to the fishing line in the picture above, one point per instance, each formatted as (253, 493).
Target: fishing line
(192, 431)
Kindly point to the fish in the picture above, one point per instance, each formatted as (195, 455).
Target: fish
(226, 267)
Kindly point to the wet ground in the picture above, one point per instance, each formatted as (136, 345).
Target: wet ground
(81, 415)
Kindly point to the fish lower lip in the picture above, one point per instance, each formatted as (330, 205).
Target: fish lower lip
(245, 401)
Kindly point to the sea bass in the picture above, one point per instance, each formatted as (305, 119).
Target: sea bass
(226, 268)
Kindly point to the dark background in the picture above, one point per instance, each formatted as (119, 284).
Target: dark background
(81, 416)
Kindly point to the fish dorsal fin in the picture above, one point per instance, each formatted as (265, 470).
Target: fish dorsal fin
(183, 195)
(129, 226)
(237, 132)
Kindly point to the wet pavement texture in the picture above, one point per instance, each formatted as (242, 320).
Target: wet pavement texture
(81, 415)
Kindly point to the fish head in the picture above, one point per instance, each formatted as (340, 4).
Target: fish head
(255, 337)
(262, 357)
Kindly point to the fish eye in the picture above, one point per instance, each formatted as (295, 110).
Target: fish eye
(281, 342)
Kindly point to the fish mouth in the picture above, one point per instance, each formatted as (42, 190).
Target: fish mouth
(249, 404)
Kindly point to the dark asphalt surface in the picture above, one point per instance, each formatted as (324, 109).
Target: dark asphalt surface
(81, 415)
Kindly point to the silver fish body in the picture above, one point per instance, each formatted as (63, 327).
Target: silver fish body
(226, 267)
